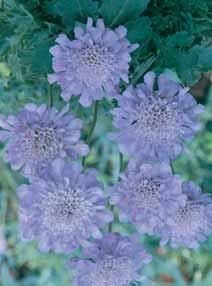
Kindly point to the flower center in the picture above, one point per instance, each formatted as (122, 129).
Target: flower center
(66, 211)
(41, 144)
(93, 64)
(158, 120)
(190, 219)
(146, 193)
(112, 271)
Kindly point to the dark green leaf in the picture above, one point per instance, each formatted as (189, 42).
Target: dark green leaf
(120, 11)
(187, 67)
(190, 65)
(35, 58)
(139, 31)
(142, 69)
(205, 57)
(39, 59)
(74, 10)
(180, 39)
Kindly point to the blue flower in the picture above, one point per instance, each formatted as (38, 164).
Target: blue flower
(113, 260)
(147, 195)
(63, 208)
(38, 135)
(92, 64)
(153, 124)
(192, 223)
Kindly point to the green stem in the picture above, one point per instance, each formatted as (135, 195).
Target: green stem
(121, 162)
(172, 166)
(2, 4)
(93, 125)
(50, 97)
(121, 168)
(110, 225)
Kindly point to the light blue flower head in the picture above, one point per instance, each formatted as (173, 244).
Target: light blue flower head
(93, 63)
(113, 260)
(63, 208)
(38, 135)
(154, 119)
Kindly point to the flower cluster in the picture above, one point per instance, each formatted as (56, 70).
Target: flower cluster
(64, 206)
(153, 120)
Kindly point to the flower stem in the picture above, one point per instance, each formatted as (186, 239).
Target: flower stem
(121, 168)
(121, 162)
(172, 166)
(93, 125)
(110, 225)
(50, 97)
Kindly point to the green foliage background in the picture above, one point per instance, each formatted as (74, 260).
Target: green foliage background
(175, 37)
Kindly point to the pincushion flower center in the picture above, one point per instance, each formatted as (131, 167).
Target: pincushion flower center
(41, 143)
(190, 219)
(146, 193)
(94, 62)
(157, 120)
(66, 210)
(112, 271)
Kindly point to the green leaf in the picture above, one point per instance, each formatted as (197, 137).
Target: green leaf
(139, 31)
(180, 39)
(36, 59)
(190, 65)
(205, 57)
(141, 69)
(121, 11)
(40, 58)
(72, 10)
(188, 62)
(187, 67)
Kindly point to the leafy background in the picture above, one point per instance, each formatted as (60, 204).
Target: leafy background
(175, 37)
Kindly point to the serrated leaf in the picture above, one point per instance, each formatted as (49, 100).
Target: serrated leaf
(71, 11)
(139, 31)
(121, 11)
